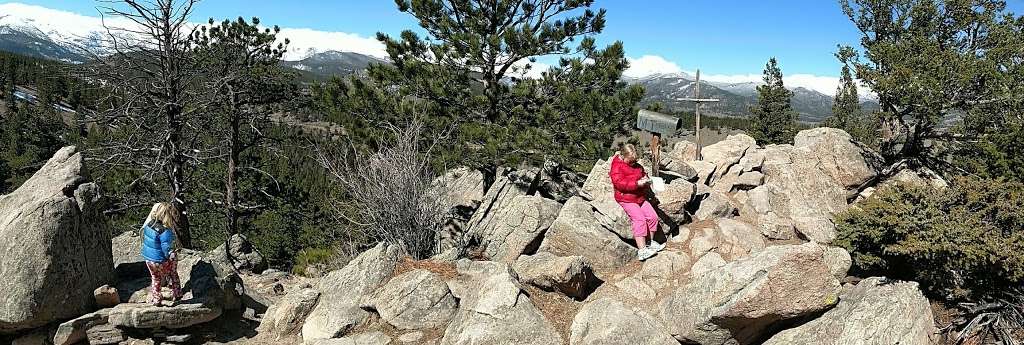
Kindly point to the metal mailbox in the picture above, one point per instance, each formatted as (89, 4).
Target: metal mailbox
(658, 123)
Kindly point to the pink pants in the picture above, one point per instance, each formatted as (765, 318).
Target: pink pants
(645, 220)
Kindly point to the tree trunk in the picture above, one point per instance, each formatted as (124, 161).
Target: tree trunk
(177, 175)
(229, 200)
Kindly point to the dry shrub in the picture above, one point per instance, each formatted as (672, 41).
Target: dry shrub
(389, 191)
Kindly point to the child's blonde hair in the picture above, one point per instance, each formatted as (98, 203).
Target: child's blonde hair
(166, 213)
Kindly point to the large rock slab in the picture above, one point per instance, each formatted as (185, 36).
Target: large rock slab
(608, 321)
(800, 191)
(676, 195)
(54, 245)
(848, 163)
(498, 197)
(876, 311)
(203, 282)
(716, 205)
(508, 232)
(462, 186)
(726, 153)
(578, 232)
(143, 315)
(736, 303)
(494, 310)
(338, 311)
(572, 275)
(462, 190)
(369, 338)
(664, 270)
(414, 300)
(285, 317)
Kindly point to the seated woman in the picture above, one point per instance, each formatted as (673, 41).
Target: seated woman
(631, 184)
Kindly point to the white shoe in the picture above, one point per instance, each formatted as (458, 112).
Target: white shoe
(644, 253)
(656, 247)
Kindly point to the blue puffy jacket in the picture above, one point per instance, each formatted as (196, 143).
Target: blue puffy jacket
(157, 242)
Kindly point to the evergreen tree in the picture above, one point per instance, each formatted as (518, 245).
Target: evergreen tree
(847, 113)
(931, 61)
(245, 84)
(774, 121)
(467, 75)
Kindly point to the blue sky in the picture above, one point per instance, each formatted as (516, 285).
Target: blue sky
(728, 40)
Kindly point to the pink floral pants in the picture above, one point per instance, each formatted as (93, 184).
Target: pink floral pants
(160, 272)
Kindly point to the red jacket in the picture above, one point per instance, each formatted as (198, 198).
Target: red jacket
(624, 177)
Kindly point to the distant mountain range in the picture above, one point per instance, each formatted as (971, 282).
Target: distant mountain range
(39, 32)
(736, 98)
(324, 65)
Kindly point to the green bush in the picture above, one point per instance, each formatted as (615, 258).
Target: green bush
(963, 242)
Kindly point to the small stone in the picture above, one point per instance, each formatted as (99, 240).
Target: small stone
(106, 296)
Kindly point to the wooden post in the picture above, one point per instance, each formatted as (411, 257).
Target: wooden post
(656, 150)
(697, 115)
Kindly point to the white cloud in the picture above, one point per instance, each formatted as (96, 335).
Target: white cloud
(534, 72)
(305, 42)
(650, 64)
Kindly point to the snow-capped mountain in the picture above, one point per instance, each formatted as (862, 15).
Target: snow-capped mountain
(333, 63)
(60, 35)
(51, 34)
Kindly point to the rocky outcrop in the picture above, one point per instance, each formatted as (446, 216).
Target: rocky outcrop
(515, 229)
(716, 205)
(285, 317)
(572, 276)
(337, 312)
(676, 196)
(846, 162)
(558, 182)
(578, 232)
(237, 251)
(737, 302)
(368, 338)
(726, 153)
(876, 311)
(54, 245)
(608, 321)
(664, 270)
(415, 300)
(498, 314)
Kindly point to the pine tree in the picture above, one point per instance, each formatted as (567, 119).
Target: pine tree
(467, 74)
(930, 61)
(774, 120)
(245, 83)
(847, 113)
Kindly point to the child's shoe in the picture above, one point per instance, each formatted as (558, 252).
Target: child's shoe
(644, 253)
(656, 247)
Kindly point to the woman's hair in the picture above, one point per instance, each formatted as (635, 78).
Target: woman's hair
(628, 150)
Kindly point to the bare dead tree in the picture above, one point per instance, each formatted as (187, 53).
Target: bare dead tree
(391, 190)
(147, 69)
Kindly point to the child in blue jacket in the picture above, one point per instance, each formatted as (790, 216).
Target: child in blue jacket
(159, 244)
